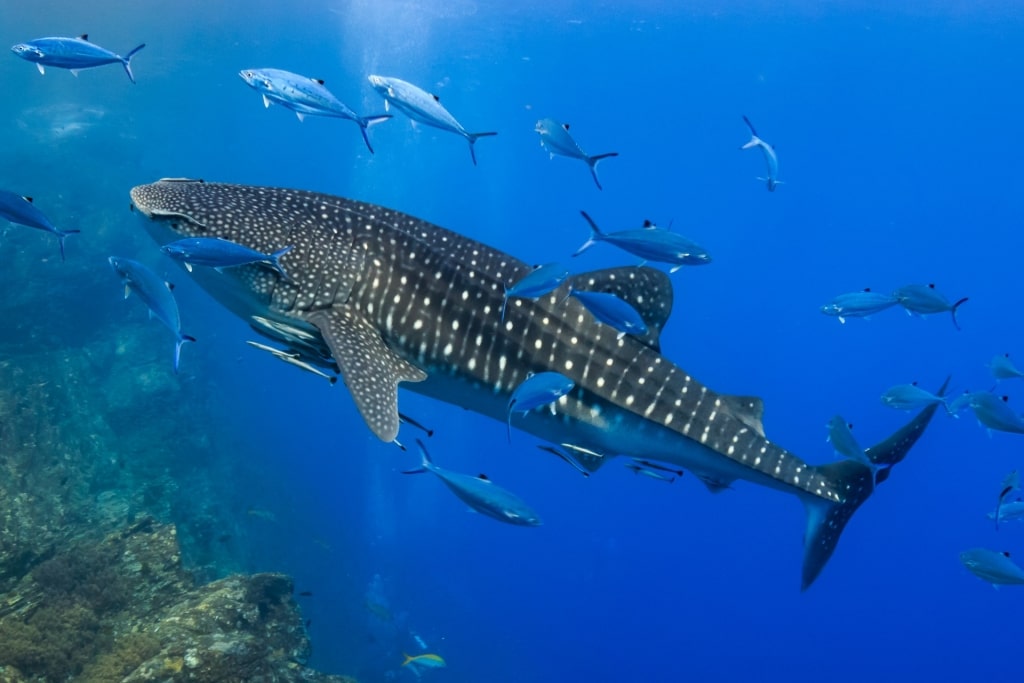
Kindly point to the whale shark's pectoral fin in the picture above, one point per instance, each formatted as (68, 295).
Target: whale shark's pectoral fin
(370, 369)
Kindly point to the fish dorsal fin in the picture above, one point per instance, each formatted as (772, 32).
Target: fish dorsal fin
(565, 126)
(747, 409)
(483, 477)
(84, 36)
(649, 225)
(647, 290)
(1006, 553)
(28, 199)
(867, 289)
(370, 369)
(436, 98)
(318, 81)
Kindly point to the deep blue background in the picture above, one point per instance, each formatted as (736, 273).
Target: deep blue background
(897, 134)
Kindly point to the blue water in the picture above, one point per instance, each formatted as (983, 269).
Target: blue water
(896, 134)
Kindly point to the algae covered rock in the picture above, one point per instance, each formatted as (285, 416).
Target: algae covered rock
(124, 609)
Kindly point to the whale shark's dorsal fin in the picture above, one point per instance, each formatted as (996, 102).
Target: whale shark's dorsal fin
(648, 290)
(747, 409)
(370, 369)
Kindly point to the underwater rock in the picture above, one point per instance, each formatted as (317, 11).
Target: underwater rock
(124, 609)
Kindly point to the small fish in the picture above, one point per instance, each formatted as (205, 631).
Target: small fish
(1008, 512)
(305, 96)
(306, 594)
(613, 311)
(156, 294)
(536, 283)
(925, 299)
(419, 105)
(566, 457)
(555, 138)
(992, 411)
(770, 159)
(858, 304)
(648, 472)
(1003, 368)
(911, 397)
(218, 253)
(844, 442)
(409, 421)
(655, 466)
(996, 568)
(650, 243)
(540, 389)
(427, 661)
(293, 358)
(21, 210)
(481, 494)
(73, 54)
(1011, 483)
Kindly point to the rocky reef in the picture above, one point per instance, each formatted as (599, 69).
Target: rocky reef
(114, 558)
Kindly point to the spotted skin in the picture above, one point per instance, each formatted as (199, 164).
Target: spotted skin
(425, 304)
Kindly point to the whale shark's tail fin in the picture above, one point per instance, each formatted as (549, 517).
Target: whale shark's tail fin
(826, 520)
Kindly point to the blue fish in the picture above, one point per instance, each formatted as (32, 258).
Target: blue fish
(156, 294)
(481, 494)
(305, 96)
(911, 397)
(540, 389)
(73, 54)
(536, 283)
(636, 468)
(1011, 483)
(1003, 368)
(925, 299)
(611, 310)
(992, 411)
(419, 105)
(772, 161)
(650, 243)
(555, 138)
(220, 253)
(21, 210)
(858, 304)
(996, 568)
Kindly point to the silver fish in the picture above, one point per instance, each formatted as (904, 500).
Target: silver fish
(540, 389)
(555, 138)
(1011, 483)
(1003, 368)
(481, 494)
(73, 54)
(910, 397)
(858, 304)
(305, 96)
(156, 294)
(419, 105)
(650, 243)
(770, 160)
(925, 299)
(21, 210)
(995, 568)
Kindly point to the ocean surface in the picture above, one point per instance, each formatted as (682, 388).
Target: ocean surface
(896, 132)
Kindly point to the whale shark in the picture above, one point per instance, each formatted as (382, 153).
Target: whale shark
(394, 300)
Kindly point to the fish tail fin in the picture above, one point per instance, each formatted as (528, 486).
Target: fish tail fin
(592, 163)
(953, 311)
(827, 519)
(754, 142)
(368, 121)
(177, 348)
(595, 233)
(127, 62)
(425, 460)
(408, 659)
(276, 264)
(61, 234)
(473, 137)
